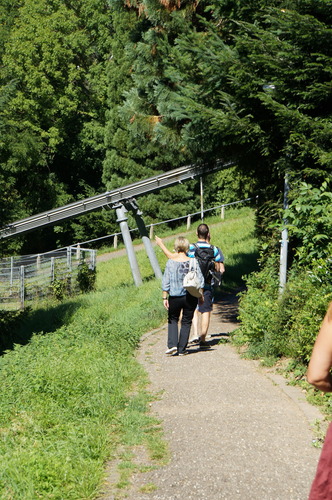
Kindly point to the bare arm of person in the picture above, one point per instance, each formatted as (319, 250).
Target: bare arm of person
(219, 267)
(168, 253)
(318, 373)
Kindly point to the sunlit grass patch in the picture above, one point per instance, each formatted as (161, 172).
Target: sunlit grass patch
(75, 393)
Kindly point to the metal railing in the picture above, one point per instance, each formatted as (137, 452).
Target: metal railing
(29, 277)
(111, 198)
(188, 217)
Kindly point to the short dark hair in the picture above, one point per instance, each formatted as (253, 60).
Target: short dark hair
(203, 231)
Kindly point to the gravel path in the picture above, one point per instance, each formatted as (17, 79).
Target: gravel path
(235, 431)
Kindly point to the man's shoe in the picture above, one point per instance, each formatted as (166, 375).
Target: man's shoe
(183, 353)
(171, 350)
(194, 341)
(204, 345)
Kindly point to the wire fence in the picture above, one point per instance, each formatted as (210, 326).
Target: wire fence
(26, 278)
(188, 217)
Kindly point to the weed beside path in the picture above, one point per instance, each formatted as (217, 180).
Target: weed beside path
(233, 433)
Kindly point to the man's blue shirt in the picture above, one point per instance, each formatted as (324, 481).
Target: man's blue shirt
(218, 255)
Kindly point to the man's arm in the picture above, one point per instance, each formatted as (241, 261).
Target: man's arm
(219, 260)
(219, 267)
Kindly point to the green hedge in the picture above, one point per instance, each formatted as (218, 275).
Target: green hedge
(274, 324)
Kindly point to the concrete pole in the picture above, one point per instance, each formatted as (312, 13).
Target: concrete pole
(147, 242)
(122, 219)
(284, 242)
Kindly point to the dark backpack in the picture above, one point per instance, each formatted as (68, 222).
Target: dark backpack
(205, 258)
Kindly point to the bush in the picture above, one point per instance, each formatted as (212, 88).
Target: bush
(9, 323)
(86, 278)
(306, 298)
(287, 324)
(257, 311)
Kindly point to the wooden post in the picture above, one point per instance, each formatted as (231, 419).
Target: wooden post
(151, 232)
(222, 213)
(115, 242)
(188, 222)
(93, 259)
(69, 258)
(78, 252)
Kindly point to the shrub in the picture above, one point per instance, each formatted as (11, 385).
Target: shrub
(306, 297)
(86, 278)
(309, 216)
(287, 324)
(9, 323)
(257, 311)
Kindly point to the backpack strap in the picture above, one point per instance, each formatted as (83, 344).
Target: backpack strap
(192, 264)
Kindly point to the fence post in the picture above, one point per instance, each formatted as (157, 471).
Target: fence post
(188, 222)
(222, 213)
(151, 232)
(11, 270)
(52, 269)
(78, 252)
(93, 259)
(38, 262)
(69, 258)
(22, 286)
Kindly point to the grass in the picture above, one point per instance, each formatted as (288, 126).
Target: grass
(73, 393)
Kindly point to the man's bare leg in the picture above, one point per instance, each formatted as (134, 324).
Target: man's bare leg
(194, 324)
(205, 325)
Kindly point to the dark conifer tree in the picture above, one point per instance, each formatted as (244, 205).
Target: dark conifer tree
(199, 76)
(135, 76)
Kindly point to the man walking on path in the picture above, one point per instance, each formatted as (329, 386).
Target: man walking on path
(202, 246)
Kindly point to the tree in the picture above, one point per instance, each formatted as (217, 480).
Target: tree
(132, 152)
(55, 53)
(199, 77)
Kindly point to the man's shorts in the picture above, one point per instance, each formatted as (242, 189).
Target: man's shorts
(208, 302)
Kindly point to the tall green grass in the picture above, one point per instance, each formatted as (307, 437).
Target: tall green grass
(74, 392)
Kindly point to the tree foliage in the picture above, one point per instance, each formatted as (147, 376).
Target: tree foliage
(52, 81)
(96, 95)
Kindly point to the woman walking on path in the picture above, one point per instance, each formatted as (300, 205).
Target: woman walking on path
(320, 376)
(176, 299)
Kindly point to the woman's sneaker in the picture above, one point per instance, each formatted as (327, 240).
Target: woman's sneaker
(171, 350)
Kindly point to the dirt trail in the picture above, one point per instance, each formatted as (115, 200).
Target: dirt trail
(235, 431)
